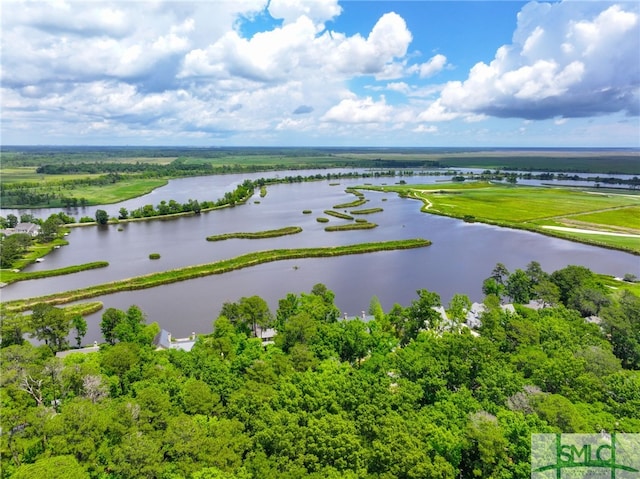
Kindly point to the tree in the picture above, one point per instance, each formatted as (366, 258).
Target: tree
(518, 287)
(102, 217)
(375, 308)
(130, 327)
(110, 320)
(80, 326)
(12, 220)
(547, 292)
(123, 214)
(572, 278)
(622, 325)
(12, 247)
(535, 273)
(500, 273)
(51, 325)
(490, 287)
(422, 313)
(56, 467)
(459, 306)
(119, 360)
(287, 307)
(254, 311)
(12, 327)
(50, 228)
(298, 329)
(588, 301)
(198, 398)
(355, 341)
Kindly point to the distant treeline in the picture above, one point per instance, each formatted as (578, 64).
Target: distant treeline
(178, 167)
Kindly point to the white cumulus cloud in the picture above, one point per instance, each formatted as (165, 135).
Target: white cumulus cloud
(366, 110)
(433, 66)
(569, 59)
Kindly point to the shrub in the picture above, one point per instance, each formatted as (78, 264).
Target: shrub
(154, 256)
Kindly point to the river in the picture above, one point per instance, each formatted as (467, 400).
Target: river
(461, 257)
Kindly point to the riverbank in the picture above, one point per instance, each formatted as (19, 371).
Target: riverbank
(543, 210)
(12, 276)
(219, 267)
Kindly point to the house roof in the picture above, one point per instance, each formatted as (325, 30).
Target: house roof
(26, 227)
(163, 340)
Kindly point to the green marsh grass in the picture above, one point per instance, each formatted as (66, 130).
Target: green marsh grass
(219, 267)
(367, 211)
(337, 214)
(351, 226)
(9, 276)
(289, 230)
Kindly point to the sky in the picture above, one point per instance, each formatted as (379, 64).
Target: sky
(373, 73)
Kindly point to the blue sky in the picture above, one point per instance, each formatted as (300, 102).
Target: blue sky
(321, 73)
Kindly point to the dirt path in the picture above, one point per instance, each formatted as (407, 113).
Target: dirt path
(590, 232)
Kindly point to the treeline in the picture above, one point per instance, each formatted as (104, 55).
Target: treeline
(398, 394)
(231, 198)
(177, 168)
(514, 176)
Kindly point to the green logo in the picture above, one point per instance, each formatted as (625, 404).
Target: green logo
(614, 456)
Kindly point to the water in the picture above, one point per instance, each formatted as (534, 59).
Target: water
(461, 257)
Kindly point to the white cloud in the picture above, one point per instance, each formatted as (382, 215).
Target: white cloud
(365, 110)
(319, 11)
(437, 112)
(568, 59)
(433, 66)
(425, 129)
(94, 40)
(296, 50)
(400, 87)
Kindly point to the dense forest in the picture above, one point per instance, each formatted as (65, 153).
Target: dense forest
(408, 393)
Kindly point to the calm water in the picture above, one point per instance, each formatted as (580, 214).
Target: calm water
(461, 257)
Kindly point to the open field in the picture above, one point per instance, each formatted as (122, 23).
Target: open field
(104, 195)
(626, 218)
(538, 209)
(29, 175)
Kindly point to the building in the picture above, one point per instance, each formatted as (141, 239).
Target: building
(27, 228)
(163, 340)
(30, 229)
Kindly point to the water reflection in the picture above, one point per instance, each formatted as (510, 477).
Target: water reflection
(461, 256)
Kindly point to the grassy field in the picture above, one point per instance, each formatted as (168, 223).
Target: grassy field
(28, 174)
(535, 208)
(625, 217)
(104, 195)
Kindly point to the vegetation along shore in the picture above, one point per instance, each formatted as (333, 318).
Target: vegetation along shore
(219, 267)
